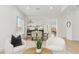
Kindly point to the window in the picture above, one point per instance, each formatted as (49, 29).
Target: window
(20, 25)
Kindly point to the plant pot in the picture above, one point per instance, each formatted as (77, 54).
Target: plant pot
(38, 50)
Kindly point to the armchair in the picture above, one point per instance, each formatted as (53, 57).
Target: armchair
(56, 44)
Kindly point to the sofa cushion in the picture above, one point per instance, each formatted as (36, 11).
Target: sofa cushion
(16, 41)
(19, 49)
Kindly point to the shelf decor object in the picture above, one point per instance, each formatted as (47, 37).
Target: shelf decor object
(68, 23)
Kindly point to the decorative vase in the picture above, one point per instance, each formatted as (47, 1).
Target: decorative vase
(38, 50)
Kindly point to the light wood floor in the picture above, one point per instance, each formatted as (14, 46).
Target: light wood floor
(72, 46)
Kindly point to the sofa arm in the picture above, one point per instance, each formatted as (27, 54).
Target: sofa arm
(8, 48)
(19, 49)
(23, 42)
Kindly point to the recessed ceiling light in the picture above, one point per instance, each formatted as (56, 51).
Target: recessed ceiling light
(27, 7)
(50, 7)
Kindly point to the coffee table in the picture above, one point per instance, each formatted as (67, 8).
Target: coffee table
(33, 51)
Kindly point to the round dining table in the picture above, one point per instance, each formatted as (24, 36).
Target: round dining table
(33, 51)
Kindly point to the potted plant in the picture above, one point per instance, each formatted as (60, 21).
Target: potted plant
(38, 44)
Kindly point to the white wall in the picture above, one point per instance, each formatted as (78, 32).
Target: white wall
(7, 22)
(61, 31)
(72, 15)
(75, 24)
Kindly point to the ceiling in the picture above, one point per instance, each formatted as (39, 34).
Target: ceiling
(41, 10)
(44, 11)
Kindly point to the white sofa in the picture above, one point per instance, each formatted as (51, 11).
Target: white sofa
(9, 49)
